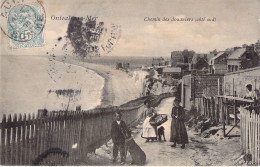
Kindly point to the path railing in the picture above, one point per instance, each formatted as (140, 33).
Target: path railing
(24, 138)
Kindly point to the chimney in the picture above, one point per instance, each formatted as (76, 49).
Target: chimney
(250, 49)
(205, 56)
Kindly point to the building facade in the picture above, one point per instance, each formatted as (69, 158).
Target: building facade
(218, 64)
(242, 58)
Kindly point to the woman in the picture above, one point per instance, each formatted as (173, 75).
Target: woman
(149, 131)
(178, 131)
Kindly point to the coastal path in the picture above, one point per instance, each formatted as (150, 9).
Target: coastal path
(199, 151)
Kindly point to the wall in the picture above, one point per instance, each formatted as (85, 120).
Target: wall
(186, 92)
(194, 85)
(241, 78)
(220, 68)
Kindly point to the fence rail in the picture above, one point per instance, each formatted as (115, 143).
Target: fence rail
(220, 108)
(24, 138)
(250, 134)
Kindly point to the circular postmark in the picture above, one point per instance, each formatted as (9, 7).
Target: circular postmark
(22, 20)
(90, 37)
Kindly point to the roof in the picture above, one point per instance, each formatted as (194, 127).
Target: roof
(236, 53)
(215, 57)
(201, 55)
(172, 69)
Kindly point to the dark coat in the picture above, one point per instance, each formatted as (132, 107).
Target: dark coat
(178, 130)
(118, 132)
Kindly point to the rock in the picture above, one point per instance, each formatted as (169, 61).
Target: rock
(190, 124)
(213, 131)
(206, 135)
(205, 126)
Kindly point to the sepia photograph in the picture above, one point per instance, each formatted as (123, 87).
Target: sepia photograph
(130, 83)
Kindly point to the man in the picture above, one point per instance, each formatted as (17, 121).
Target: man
(250, 94)
(118, 133)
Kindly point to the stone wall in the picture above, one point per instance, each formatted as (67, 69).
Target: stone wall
(235, 82)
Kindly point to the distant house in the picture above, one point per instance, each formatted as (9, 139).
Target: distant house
(176, 56)
(218, 63)
(257, 47)
(173, 72)
(160, 62)
(200, 62)
(242, 58)
(182, 59)
(122, 65)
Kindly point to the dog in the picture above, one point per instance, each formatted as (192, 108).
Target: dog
(161, 133)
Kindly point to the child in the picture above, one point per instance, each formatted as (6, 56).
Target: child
(118, 137)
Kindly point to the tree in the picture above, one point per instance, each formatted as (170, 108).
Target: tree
(187, 55)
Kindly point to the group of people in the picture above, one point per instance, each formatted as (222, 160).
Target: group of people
(178, 133)
(119, 130)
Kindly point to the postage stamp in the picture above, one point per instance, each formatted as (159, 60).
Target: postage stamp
(23, 23)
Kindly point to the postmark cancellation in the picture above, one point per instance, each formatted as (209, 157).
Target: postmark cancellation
(23, 22)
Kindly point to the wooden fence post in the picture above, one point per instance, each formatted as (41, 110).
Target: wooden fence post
(257, 139)
(13, 153)
(3, 137)
(217, 109)
(28, 144)
(8, 142)
(23, 148)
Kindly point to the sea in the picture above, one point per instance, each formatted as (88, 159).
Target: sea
(30, 83)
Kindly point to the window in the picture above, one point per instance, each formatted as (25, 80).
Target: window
(229, 68)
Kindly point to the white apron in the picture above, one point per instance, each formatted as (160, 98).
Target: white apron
(148, 129)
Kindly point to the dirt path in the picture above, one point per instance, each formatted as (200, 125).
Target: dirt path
(199, 151)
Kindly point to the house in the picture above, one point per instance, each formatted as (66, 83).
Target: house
(160, 62)
(176, 56)
(233, 60)
(181, 58)
(218, 63)
(199, 63)
(122, 65)
(172, 72)
(257, 47)
(242, 58)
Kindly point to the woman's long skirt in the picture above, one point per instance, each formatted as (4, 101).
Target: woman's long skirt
(178, 132)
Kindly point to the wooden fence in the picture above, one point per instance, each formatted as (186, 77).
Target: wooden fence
(210, 108)
(24, 138)
(221, 108)
(250, 134)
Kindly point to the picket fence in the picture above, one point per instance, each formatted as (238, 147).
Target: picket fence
(250, 135)
(25, 138)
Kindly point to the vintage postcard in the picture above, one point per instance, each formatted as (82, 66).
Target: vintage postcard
(130, 82)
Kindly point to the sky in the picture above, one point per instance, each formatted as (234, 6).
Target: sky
(236, 22)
